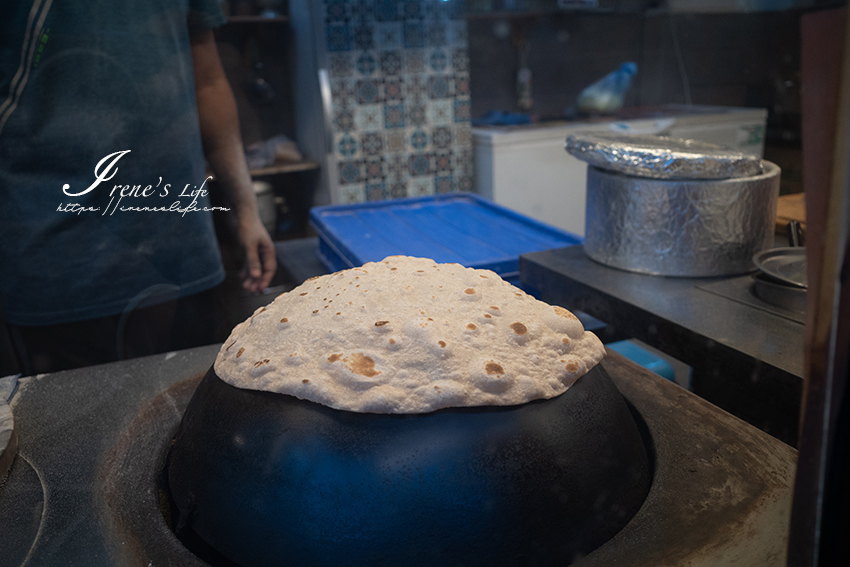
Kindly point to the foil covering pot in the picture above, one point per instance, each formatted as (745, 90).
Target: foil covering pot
(661, 157)
(686, 228)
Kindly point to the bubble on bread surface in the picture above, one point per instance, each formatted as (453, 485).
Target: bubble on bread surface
(408, 335)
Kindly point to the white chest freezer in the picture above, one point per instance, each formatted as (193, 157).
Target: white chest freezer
(527, 169)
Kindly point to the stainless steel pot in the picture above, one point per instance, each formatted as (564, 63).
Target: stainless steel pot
(687, 228)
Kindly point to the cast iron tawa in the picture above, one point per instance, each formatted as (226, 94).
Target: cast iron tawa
(268, 479)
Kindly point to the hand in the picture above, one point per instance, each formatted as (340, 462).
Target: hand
(219, 124)
(260, 262)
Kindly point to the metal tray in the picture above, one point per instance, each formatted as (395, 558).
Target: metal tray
(784, 265)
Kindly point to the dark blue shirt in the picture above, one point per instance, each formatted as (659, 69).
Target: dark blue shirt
(80, 81)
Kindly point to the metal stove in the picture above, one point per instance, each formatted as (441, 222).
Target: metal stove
(746, 353)
(84, 488)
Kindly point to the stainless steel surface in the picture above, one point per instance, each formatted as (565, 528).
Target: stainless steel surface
(786, 265)
(694, 228)
(741, 289)
(97, 438)
(746, 355)
(786, 296)
(660, 157)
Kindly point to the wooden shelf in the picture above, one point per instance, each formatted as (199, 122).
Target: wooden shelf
(256, 19)
(518, 14)
(505, 15)
(290, 167)
(280, 168)
(789, 208)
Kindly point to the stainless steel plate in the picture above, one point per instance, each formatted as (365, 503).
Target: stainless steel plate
(789, 297)
(786, 265)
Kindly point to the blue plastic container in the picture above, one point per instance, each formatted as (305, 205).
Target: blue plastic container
(452, 227)
(645, 358)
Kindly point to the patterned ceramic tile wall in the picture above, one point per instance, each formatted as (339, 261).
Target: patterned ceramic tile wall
(399, 73)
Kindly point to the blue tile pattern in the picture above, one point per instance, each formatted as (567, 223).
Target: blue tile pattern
(436, 32)
(393, 116)
(443, 184)
(347, 146)
(336, 11)
(438, 60)
(344, 120)
(412, 10)
(419, 140)
(442, 137)
(376, 191)
(368, 92)
(386, 11)
(393, 89)
(375, 170)
(438, 87)
(460, 60)
(366, 64)
(339, 37)
(340, 64)
(417, 114)
(390, 62)
(399, 73)
(413, 34)
(362, 35)
(350, 172)
(373, 144)
(443, 162)
(461, 110)
(421, 164)
(360, 10)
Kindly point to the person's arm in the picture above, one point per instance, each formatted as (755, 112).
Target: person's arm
(223, 150)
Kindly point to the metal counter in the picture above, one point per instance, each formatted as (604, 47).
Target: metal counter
(747, 356)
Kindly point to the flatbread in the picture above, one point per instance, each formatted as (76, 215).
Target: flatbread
(408, 335)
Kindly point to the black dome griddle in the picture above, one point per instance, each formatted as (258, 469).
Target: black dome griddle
(98, 436)
(266, 478)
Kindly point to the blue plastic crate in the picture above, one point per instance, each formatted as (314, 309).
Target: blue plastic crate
(645, 358)
(452, 227)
